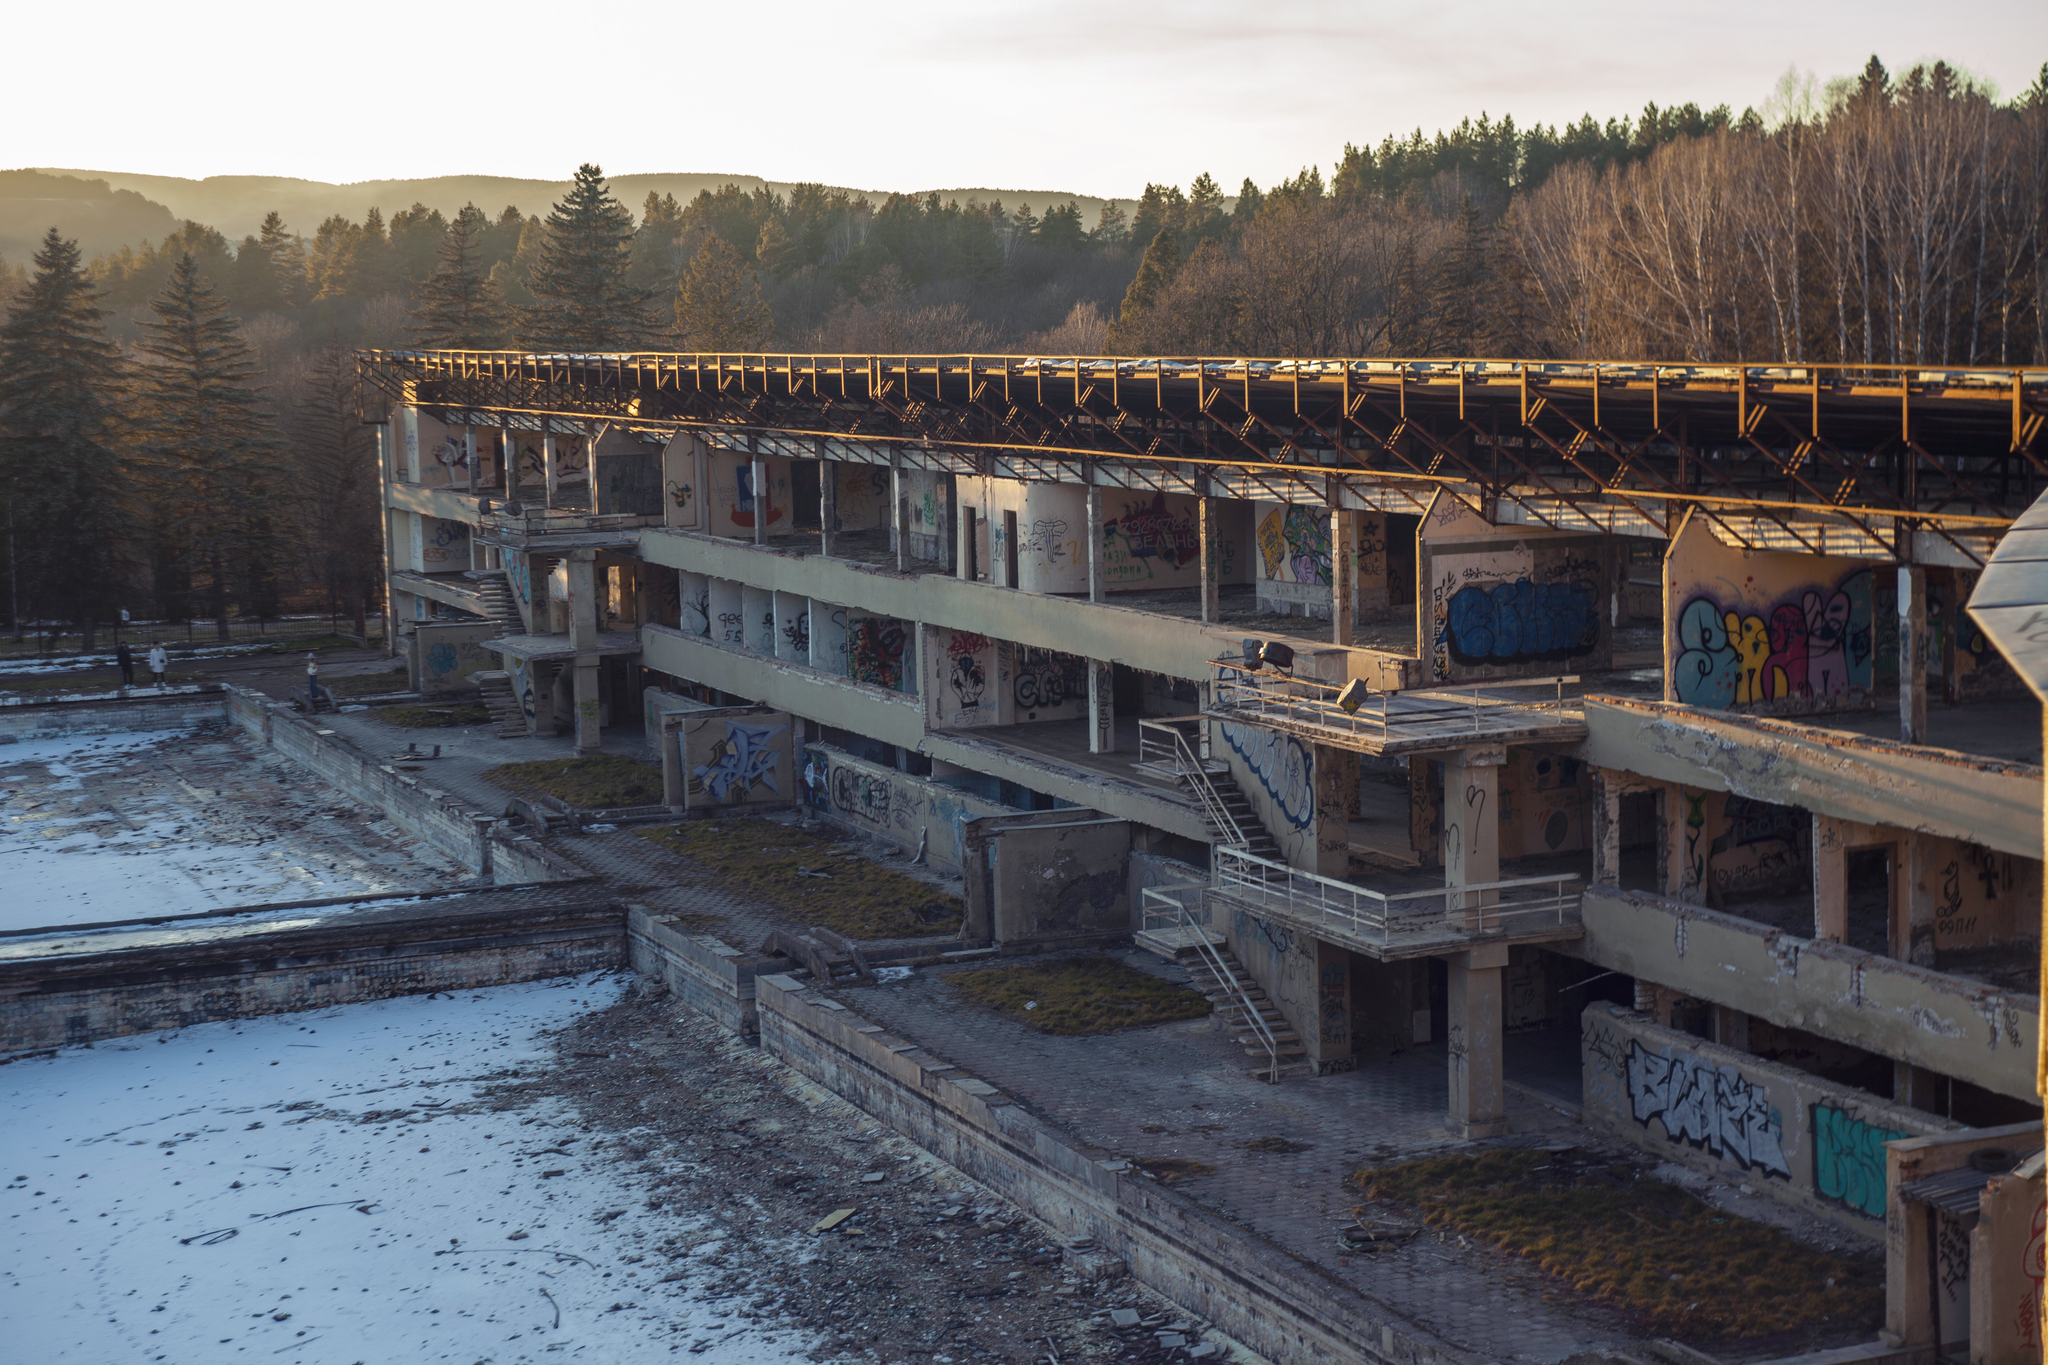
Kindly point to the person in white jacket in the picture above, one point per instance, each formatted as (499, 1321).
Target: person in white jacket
(159, 663)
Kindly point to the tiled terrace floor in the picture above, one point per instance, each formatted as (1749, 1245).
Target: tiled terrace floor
(1185, 1090)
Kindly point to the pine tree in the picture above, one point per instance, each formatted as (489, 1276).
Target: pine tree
(460, 307)
(1112, 226)
(60, 388)
(719, 306)
(775, 253)
(584, 299)
(209, 447)
(1155, 272)
(287, 255)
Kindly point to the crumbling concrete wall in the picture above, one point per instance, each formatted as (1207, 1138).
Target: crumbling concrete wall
(1062, 881)
(1804, 1140)
(180, 709)
(1764, 630)
(879, 802)
(703, 973)
(1509, 602)
(443, 656)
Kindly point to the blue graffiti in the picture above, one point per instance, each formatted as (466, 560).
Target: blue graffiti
(1522, 622)
(1284, 766)
(440, 659)
(742, 761)
(1251, 928)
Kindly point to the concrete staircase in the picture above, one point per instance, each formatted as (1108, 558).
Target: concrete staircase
(497, 600)
(1259, 842)
(508, 717)
(1232, 993)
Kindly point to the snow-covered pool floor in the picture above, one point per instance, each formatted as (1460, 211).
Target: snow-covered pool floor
(336, 1187)
(116, 827)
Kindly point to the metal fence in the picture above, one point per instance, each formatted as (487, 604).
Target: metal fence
(1476, 910)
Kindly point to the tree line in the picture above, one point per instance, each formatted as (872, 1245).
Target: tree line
(180, 417)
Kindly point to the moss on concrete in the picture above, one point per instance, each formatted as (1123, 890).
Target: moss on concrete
(600, 782)
(854, 897)
(1080, 995)
(1671, 1262)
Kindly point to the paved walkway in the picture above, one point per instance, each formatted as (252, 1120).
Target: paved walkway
(1184, 1090)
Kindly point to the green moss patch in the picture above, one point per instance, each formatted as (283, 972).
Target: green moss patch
(601, 782)
(854, 897)
(1080, 995)
(1666, 1259)
(423, 717)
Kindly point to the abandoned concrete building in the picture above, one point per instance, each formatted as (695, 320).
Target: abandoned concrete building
(1623, 733)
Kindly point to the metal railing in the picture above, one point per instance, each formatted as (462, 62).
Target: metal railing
(1283, 701)
(1475, 910)
(1165, 743)
(1166, 907)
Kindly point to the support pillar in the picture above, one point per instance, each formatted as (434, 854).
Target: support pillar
(1830, 880)
(1912, 654)
(1343, 569)
(1472, 829)
(582, 566)
(1097, 570)
(964, 553)
(758, 481)
(1101, 707)
(1010, 557)
(551, 465)
(949, 544)
(469, 456)
(1212, 567)
(828, 507)
(589, 742)
(1478, 1093)
(667, 740)
(899, 498)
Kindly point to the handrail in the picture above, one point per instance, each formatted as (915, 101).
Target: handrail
(1226, 980)
(1189, 765)
(1260, 697)
(1477, 909)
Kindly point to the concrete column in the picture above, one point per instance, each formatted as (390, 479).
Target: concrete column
(1606, 804)
(965, 547)
(1374, 593)
(949, 541)
(385, 524)
(758, 473)
(1343, 571)
(1212, 567)
(1912, 654)
(551, 464)
(588, 740)
(469, 455)
(828, 507)
(1010, 570)
(899, 497)
(582, 566)
(1478, 1095)
(1830, 880)
(1471, 848)
(674, 788)
(1098, 572)
(1101, 707)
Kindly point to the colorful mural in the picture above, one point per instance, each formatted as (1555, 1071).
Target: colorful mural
(1144, 541)
(1815, 644)
(874, 651)
(1521, 622)
(1294, 544)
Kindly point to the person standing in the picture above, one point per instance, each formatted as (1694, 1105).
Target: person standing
(312, 682)
(125, 657)
(159, 663)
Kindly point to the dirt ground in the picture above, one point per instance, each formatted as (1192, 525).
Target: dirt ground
(930, 1266)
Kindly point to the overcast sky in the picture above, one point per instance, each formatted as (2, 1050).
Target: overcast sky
(1089, 96)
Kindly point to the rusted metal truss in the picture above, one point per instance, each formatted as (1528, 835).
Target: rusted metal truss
(1773, 455)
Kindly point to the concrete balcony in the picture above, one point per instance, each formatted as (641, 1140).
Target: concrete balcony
(1952, 1024)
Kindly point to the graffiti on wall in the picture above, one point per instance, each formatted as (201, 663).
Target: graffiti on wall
(744, 506)
(966, 674)
(696, 608)
(1815, 644)
(1282, 765)
(1713, 1108)
(1294, 544)
(1046, 679)
(1848, 1159)
(863, 493)
(1144, 540)
(1519, 622)
(740, 763)
(874, 651)
(796, 633)
(1048, 536)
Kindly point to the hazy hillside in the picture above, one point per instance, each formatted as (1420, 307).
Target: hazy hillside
(100, 216)
(235, 204)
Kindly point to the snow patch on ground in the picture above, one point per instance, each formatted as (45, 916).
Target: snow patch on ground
(324, 1188)
(101, 828)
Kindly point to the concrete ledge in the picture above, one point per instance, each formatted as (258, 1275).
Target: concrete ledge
(182, 708)
(702, 972)
(1281, 1307)
(69, 988)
